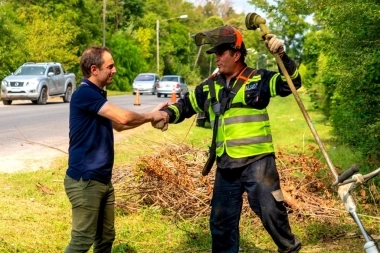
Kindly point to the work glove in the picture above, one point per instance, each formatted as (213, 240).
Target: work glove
(160, 122)
(274, 45)
(166, 125)
(161, 125)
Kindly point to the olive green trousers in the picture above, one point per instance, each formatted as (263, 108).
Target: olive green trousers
(93, 215)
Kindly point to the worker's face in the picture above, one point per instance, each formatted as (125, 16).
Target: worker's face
(226, 61)
(104, 74)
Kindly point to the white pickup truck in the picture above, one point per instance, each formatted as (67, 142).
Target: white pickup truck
(37, 82)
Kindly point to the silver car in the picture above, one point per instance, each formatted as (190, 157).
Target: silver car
(145, 83)
(170, 84)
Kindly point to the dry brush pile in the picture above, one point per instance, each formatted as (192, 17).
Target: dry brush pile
(171, 179)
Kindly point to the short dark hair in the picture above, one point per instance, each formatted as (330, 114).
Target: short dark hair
(242, 54)
(92, 56)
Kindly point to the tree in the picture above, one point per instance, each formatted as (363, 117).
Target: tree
(55, 37)
(351, 76)
(57, 31)
(11, 41)
(287, 21)
(126, 54)
(120, 13)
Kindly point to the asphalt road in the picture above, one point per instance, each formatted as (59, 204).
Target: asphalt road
(30, 133)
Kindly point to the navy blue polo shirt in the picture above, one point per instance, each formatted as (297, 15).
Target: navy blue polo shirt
(91, 148)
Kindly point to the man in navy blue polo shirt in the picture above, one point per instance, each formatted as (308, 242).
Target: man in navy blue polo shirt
(91, 152)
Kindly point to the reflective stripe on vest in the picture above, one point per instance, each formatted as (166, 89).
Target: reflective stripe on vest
(242, 132)
(247, 141)
(242, 119)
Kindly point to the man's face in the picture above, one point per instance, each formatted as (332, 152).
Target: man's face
(226, 61)
(104, 74)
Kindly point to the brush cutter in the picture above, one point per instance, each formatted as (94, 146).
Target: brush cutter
(345, 187)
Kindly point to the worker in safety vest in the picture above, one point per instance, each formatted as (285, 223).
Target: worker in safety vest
(243, 144)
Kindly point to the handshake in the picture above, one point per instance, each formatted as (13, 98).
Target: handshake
(160, 118)
(161, 124)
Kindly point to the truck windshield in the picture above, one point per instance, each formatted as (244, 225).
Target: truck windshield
(30, 71)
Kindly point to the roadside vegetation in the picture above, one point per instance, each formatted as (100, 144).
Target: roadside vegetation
(338, 57)
(334, 42)
(35, 214)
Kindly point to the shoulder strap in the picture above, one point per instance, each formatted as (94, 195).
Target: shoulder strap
(241, 79)
(216, 108)
(211, 87)
(214, 102)
(225, 103)
(220, 108)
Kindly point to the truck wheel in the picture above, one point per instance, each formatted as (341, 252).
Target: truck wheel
(43, 97)
(34, 101)
(68, 93)
(7, 102)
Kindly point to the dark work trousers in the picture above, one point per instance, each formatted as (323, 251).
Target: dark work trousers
(93, 215)
(261, 181)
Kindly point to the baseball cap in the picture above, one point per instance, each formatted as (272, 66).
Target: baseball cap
(221, 38)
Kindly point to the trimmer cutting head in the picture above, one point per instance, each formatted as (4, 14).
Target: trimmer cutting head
(253, 21)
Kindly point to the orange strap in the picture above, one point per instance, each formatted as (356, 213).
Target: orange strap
(243, 76)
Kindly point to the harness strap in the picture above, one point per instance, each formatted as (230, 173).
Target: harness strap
(241, 79)
(220, 108)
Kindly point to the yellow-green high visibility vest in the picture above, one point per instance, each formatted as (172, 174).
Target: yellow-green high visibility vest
(242, 131)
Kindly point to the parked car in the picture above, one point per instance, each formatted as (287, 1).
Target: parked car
(146, 83)
(37, 82)
(172, 83)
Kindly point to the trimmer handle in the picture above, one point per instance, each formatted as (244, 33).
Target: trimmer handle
(348, 173)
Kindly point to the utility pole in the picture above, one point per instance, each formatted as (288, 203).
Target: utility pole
(196, 59)
(104, 26)
(158, 39)
(104, 21)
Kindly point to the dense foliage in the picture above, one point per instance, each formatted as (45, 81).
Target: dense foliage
(342, 56)
(338, 53)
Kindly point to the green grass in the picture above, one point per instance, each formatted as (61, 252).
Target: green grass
(118, 93)
(291, 131)
(34, 221)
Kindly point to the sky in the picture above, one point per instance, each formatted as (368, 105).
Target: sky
(243, 6)
(238, 5)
